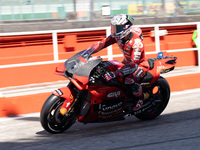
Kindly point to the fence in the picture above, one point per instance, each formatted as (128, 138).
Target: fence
(110, 54)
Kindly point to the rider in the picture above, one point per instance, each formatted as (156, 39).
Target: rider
(130, 40)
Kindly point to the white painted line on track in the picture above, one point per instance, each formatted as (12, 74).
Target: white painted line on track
(3, 119)
(32, 89)
(185, 92)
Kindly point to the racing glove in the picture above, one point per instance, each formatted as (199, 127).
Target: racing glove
(109, 75)
(127, 69)
(124, 71)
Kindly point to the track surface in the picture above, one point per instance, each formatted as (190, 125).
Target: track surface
(177, 128)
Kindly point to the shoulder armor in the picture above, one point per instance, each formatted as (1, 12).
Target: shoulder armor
(137, 30)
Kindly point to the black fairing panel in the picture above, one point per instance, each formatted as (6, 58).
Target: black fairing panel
(72, 61)
(77, 67)
(85, 69)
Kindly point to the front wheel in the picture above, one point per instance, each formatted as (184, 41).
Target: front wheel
(50, 117)
(159, 97)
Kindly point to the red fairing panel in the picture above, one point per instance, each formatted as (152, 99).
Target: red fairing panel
(66, 93)
(106, 103)
(82, 79)
(159, 65)
(60, 69)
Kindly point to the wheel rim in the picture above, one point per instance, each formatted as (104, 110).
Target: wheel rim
(157, 108)
(56, 121)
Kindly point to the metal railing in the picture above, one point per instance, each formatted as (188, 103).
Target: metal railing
(109, 55)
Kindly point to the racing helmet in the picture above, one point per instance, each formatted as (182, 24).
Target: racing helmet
(121, 25)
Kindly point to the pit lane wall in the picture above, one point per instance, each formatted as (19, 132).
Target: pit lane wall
(31, 58)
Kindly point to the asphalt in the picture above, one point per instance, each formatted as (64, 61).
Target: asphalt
(176, 128)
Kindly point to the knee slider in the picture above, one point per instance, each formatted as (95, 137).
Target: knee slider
(136, 89)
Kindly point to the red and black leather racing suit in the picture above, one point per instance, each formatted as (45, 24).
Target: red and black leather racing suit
(135, 62)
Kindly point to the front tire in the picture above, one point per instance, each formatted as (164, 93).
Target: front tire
(50, 117)
(159, 99)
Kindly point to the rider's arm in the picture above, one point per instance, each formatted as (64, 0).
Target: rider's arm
(138, 55)
(137, 31)
(102, 44)
(138, 51)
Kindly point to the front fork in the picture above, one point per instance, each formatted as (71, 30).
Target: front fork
(75, 106)
(73, 99)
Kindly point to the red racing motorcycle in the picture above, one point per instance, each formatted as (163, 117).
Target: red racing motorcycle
(90, 98)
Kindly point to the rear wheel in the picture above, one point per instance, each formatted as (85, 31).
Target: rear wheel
(159, 96)
(50, 117)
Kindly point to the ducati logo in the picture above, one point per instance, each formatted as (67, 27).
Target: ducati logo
(114, 94)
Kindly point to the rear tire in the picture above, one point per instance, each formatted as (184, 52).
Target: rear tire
(163, 94)
(51, 119)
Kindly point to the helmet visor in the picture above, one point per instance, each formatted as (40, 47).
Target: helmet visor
(116, 30)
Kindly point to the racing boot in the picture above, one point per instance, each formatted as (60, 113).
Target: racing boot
(138, 94)
(140, 101)
(138, 105)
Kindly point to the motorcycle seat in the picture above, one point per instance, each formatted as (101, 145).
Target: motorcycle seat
(148, 77)
(151, 63)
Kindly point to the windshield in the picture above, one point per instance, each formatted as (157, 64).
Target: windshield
(80, 64)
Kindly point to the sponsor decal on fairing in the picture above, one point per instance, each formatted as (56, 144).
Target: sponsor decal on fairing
(106, 108)
(58, 92)
(145, 83)
(114, 94)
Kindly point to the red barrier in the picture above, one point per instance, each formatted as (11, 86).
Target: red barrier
(184, 82)
(22, 104)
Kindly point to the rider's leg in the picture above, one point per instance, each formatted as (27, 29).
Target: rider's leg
(136, 90)
(132, 82)
(138, 94)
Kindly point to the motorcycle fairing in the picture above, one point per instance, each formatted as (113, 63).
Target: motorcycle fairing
(68, 94)
(157, 67)
(60, 69)
(84, 69)
(80, 65)
(106, 103)
(82, 79)
(71, 61)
